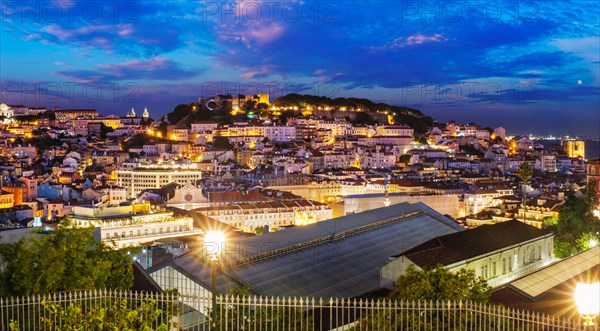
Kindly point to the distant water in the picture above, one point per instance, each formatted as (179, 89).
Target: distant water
(592, 148)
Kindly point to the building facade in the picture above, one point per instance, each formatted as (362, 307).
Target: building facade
(275, 214)
(137, 178)
(132, 225)
(498, 253)
(574, 148)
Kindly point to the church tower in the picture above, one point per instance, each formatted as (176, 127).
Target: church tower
(145, 115)
(131, 113)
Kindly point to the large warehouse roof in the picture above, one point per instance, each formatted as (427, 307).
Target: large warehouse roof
(339, 257)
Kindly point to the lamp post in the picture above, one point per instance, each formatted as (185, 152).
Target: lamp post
(214, 240)
(587, 298)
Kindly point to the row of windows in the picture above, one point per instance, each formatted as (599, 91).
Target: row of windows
(147, 232)
(251, 217)
(255, 224)
(530, 255)
(492, 271)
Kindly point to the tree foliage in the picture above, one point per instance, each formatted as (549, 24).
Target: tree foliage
(440, 284)
(576, 224)
(433, 289)
(63, 260)
(524, 173)
(238, 313)
(118, 316)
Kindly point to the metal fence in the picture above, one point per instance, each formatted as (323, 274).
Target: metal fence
(119, 310)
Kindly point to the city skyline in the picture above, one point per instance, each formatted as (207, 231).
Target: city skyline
(530, 67)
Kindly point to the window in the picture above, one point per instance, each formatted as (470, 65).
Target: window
(512, 262)
(493, 269)
(484, 272)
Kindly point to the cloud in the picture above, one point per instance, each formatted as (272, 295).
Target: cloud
(417, 39)
(135, 28)
(359, 45)
(158, 68)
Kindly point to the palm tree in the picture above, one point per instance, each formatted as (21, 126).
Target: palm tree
(524, 173)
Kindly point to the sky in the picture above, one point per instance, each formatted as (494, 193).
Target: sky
(528, 66)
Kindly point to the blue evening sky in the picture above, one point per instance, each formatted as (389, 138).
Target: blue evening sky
(529, 66)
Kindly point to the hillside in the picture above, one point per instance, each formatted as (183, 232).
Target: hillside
(358, 111)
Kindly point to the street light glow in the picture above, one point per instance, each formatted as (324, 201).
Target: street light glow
(587, 298)
(213, 242)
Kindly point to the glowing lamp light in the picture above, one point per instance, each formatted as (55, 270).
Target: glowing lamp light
(593, 243)
(587, 298)
(213, 242)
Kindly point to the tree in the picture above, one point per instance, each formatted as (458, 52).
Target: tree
(110, 312)
(436, 287)
(405, 158)
(66, 259)
(440, 284)
(524, 173)
(576, 224)
(363, 118)
(222, 143)
(104, 130)
(259, 230)
(249, 105)
(236, 313)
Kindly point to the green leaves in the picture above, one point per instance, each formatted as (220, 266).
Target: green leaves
(440, 284)
(124, 315)
(62, 261)
(576, 225)
(524, 172)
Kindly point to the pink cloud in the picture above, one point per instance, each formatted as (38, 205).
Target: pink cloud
(65, 34)
(262, 72)
(417, 39)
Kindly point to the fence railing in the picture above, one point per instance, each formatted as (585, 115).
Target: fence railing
(117, 310)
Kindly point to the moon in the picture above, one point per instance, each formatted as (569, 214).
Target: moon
(579, 82)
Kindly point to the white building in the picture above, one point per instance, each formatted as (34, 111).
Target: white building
(133, 225)
(6, 111)
(394, 131)
(188, 197)
(204, 126)
(377, 160)
(280, 133)
(498, 253)
(248, 216)
(138, 177)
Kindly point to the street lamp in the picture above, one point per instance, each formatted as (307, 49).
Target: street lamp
(587, 298)
(215, 241)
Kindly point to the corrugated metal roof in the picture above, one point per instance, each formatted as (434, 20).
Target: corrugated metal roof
(557, 273)
(346, 267)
